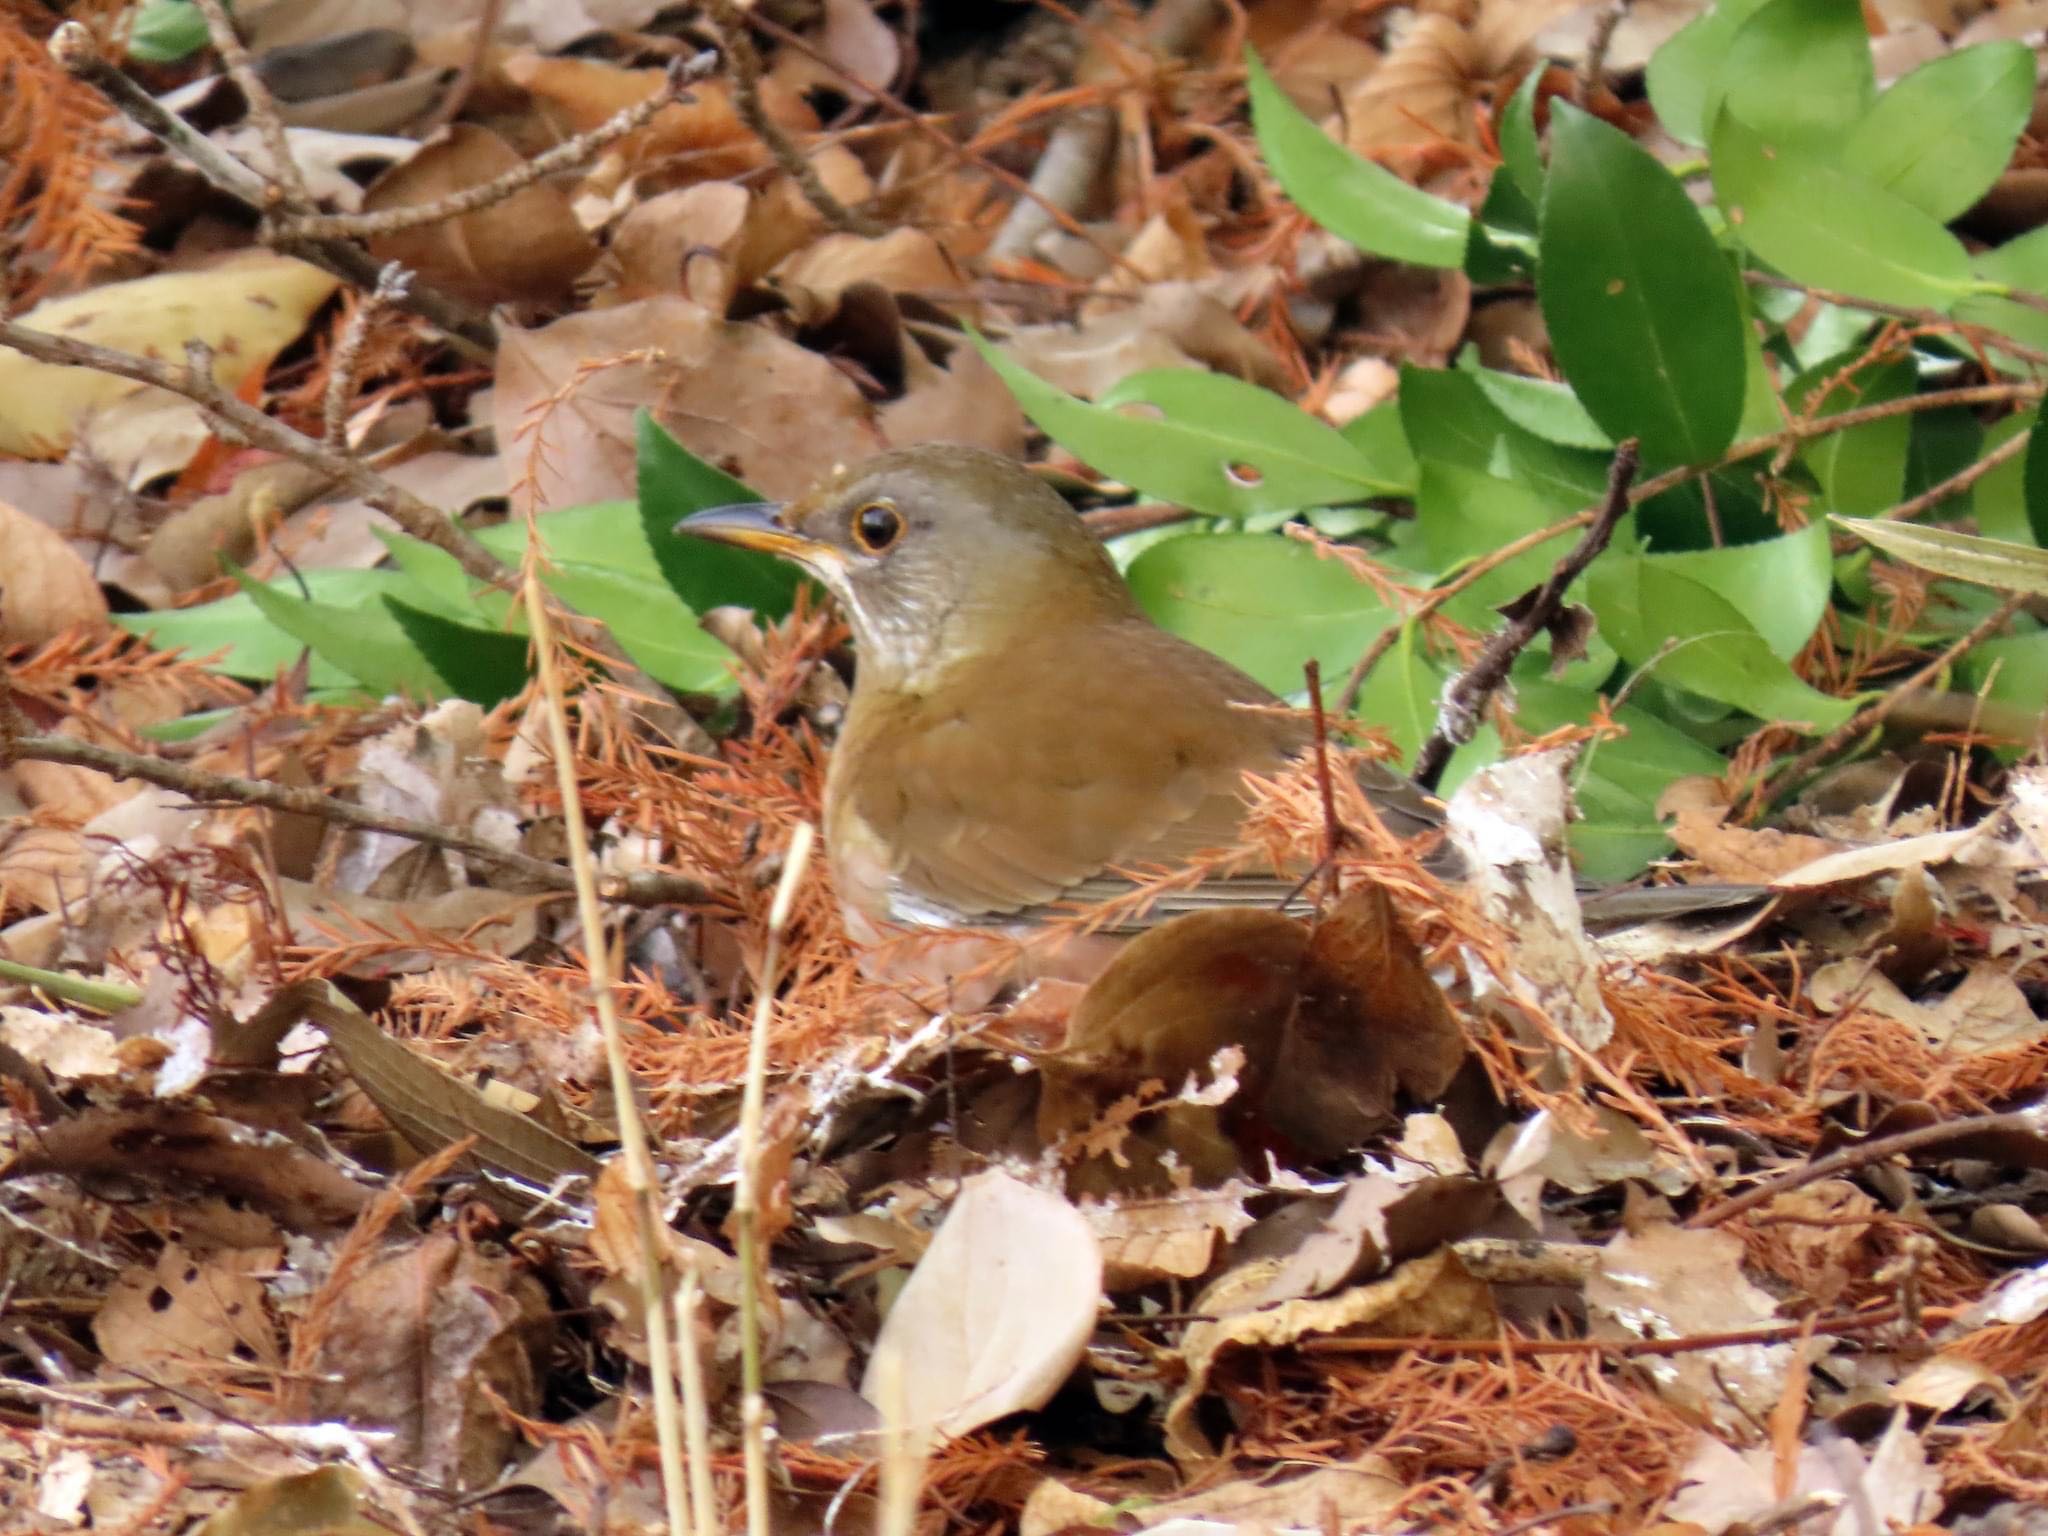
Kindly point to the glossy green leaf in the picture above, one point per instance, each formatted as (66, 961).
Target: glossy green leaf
(1942, 135)
(1351, 197)
(1820, 225)
(166, 31)
(364, 641)
(643, 616)
(1643, 311)
(1999, 500)
(2011, 669)
(2034, 480)
(1551, 411)
(486, 665)
(1781, 586)
(1685, 74)
(1267, 604)
(1521, 155)
(1501, 247)
(674, 482)
(253, 646)
(1800, 72)
(1691, 637)
(1240, 416)
(1400, 695)
(1447, 418)
(1998, 563)
(1378, 435)
(1463, 514)
(2023, 264)
(1260, 460)
(1862, 470)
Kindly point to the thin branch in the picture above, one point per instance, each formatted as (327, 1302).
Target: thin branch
(1457, 716)
(347, 361)
(730, 22)
(2025, 1122)
(1960, 481)
(1932, 318)
(1878, 710)
(73, 48)
(1790, 435)
(570, 152)
(1775, 1333)
(645, 888)
(483, 32)
(288, 181)
(196, 383)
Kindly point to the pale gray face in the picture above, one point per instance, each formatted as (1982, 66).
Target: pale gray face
(930, 550)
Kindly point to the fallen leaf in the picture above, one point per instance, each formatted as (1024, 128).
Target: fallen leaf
(187, 1313)
(46, 588)
(996, 1313)
(246, 309)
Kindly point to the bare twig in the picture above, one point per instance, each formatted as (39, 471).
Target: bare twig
(1878, 710)
(1593, 73)
(1457, 716)
(637, 1157)
(645, 888)
(389, 221)
(730, 22)
(1960, 481)
(1933, 319)
(289, 182)
(73, 48)
(348, 354)
(482, 33)
(2025, 1122)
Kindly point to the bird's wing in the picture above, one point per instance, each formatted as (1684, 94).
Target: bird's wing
(971, 803)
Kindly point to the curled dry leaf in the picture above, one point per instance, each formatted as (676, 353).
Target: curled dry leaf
(1891, 1489)
(46, 588)
(526, 249)
(247, 310)
(997, 1312)
(1986, 1011)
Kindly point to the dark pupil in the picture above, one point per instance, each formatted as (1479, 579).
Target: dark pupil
(878, 526)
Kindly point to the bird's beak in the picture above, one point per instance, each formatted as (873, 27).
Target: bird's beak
(750, 525)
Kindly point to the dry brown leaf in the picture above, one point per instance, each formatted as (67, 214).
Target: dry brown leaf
(1986, 1011)
(429, 1341)
(186, 1314)
(861, 43)
(997, 1312)
(45, 588)
(1430, 1297)
(1172, 325)
(759, 407)
(693, 241)
(1889, 1490)
(1171, 1236)
(1666, 1282)
(325, 1502)
(247, 309)
(526, 249)
(902, 261)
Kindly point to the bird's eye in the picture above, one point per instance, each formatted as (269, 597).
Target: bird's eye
(876, 525)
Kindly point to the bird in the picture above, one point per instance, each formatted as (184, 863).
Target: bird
(1020, 734)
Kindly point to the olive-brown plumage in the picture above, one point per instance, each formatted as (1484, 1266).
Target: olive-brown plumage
(1019, 729)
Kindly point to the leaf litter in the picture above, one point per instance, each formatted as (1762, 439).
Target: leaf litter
(311, 1214)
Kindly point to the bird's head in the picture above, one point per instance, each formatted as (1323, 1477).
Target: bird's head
(937, 553)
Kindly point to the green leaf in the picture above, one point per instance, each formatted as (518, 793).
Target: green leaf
(1377, 434)
(166, 31)
(1521, 156)
(2023, 264)
(1245, 452)
(1996, 563)
(1645, 316)
(1463, 514)
(366, 642)
(2034, 479)
(1264, 602)
(1800, 72)
(2012, 669)
(1820, 225)
(253, 645)
(1685, 75)
(1942, 135)
(1351, 197)
(1781, 586)
(1501, 247)
(1549, 410)
(1447, 418)
(1861, 470)
(1400, 695)
(674, 482)
(644, 618)
(1999, 501)
(485, 665)
(1712, 649)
